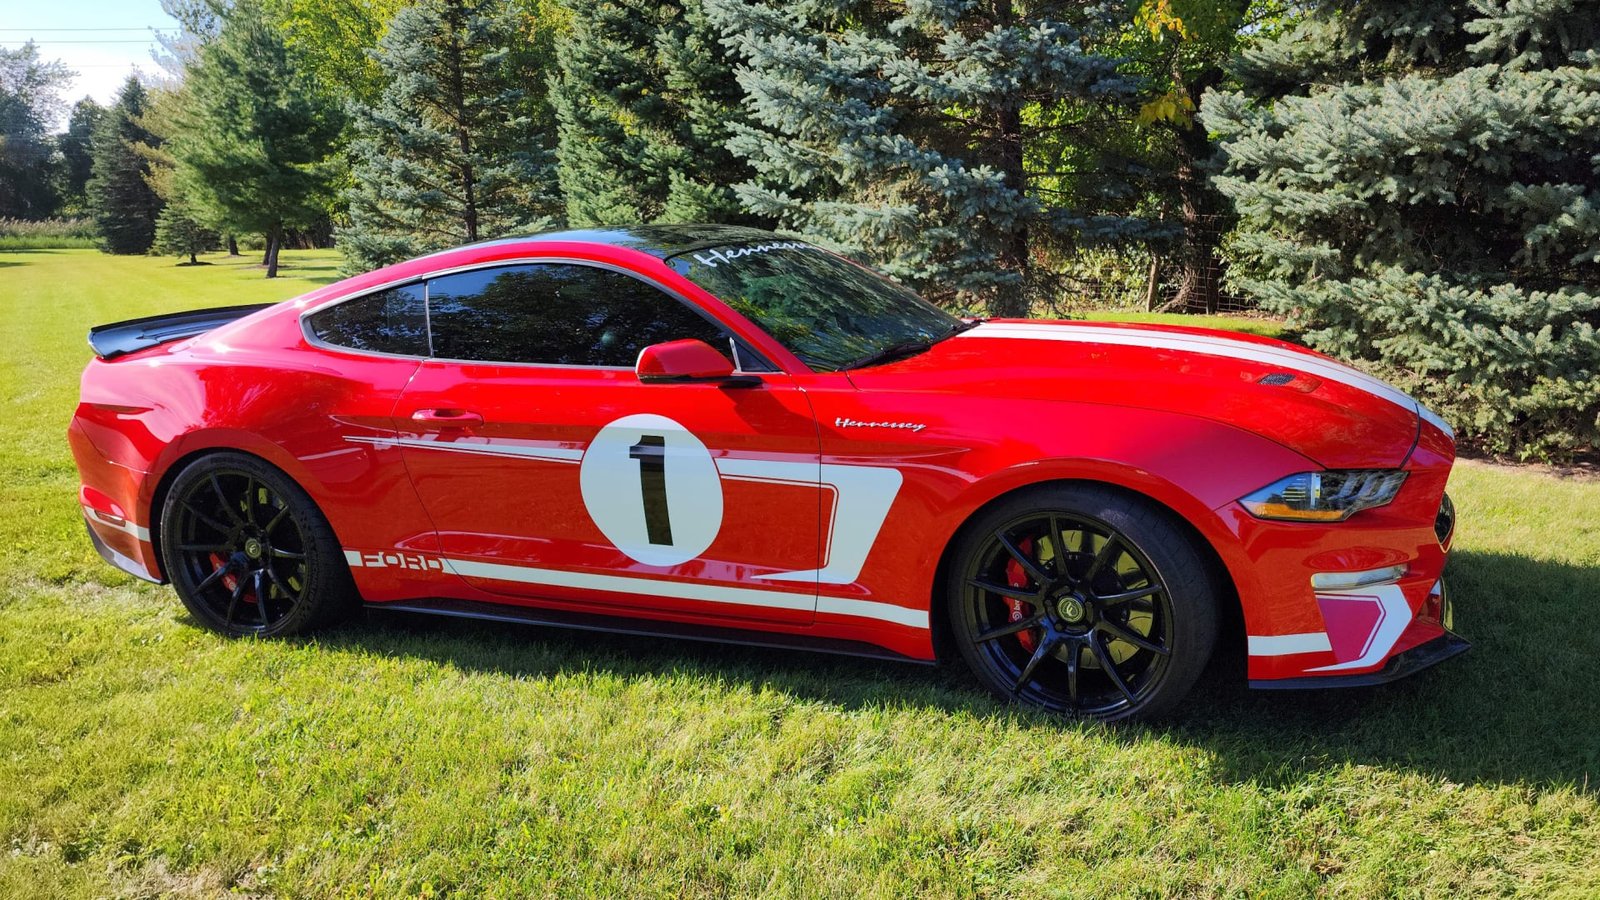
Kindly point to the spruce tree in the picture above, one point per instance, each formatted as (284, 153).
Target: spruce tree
(645, 96)
(125, 208)
(911, 134)
(179, 232)
(457, 148)
(254, 147)
(1419, 188)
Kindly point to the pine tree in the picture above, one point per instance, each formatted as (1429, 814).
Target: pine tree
(1419, 188)
(125, 208)
(456, 149)
(179, 231)
(910, 134)
(645, 96)
(254, 148)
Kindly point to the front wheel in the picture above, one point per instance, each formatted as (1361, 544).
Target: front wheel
(248, 551)
(1082, 600)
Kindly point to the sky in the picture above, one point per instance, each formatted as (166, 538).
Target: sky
(103, 41)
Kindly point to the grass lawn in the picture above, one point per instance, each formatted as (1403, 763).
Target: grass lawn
(142, 756)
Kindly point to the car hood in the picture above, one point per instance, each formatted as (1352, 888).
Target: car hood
(1327, 411)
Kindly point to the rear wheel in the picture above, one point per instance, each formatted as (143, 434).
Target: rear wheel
(249, 552)
(1082, 600)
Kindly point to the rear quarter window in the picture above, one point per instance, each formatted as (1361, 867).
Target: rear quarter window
(391, 321)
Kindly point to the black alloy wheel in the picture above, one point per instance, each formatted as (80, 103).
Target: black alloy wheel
(1083, 601)
(247, 550)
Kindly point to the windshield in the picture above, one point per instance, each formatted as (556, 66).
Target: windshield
(823, 308)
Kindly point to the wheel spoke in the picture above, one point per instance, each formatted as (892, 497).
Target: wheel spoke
(1129, 596)
(282, 586)
(1109, 551)
(1004, 590)
(1098, 648)
(1132, 637)
(233, 514)
(1074, 650)
(205, 548)
(282, 513)
(287, 554)
(1011, 628)
(1038, 575)
(233, 601)
(211, 579)
(1058, 545)
(1039, 655)
(261, 599)
(250, 501)
(209, 522)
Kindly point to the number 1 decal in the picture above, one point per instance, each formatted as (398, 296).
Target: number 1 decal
(652, 489)
(651, 452)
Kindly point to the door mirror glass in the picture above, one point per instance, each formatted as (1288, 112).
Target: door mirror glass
(680, 361)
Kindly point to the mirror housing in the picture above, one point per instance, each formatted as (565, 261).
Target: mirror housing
(688, 361)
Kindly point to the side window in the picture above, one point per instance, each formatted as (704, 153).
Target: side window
(390, 321)
(556, 313)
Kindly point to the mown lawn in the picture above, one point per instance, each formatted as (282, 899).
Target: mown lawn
(141, 756)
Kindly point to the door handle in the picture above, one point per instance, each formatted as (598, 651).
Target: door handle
(447, 417)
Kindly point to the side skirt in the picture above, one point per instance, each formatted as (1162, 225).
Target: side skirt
(495, 612)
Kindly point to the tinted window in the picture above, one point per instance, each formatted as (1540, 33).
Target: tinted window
(827, 310)
(556, 313)
(389, 321)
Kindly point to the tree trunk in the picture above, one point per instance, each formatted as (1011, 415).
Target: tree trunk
(458, 91)
(192, 260)
(1201, 207)
(274, 241)
(1011, 300)
(233, 246)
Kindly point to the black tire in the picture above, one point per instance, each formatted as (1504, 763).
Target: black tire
(1083, 600)
(248, 551)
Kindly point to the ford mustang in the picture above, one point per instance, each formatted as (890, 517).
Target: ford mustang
(721, 433)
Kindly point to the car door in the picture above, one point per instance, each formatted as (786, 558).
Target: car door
(550, 471)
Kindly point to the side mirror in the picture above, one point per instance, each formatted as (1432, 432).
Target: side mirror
(687, 361)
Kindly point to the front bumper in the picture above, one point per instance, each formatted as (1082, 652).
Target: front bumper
(1400, 665)
(1437, 616)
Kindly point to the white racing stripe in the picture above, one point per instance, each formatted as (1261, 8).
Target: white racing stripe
(1213, 346)
(1287, 644)
(501, 448)
(654, 587)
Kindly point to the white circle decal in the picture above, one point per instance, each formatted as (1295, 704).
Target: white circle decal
(652, 489)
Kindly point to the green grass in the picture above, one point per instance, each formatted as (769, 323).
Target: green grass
(141, 756)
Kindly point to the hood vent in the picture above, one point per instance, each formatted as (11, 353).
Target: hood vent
(1302, 383)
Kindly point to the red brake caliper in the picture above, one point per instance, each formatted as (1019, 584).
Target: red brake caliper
(1017, 578)
(230, 580)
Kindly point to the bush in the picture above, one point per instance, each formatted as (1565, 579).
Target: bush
(42, 234)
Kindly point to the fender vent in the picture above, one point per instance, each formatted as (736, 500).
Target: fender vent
(1275, 378)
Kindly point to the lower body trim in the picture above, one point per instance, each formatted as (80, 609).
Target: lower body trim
(1399, 666)
(611, 624)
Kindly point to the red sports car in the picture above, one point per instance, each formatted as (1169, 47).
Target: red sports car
(724, 434)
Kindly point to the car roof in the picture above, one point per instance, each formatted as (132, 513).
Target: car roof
(661, 241)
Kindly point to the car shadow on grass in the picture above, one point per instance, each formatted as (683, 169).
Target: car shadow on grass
(1521, 708)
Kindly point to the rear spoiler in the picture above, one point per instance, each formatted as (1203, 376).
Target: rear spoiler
(121, 338)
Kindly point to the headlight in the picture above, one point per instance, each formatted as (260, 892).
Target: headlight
(1324, 496)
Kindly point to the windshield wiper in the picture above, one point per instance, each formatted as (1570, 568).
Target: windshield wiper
(903, 349)
(894, 351)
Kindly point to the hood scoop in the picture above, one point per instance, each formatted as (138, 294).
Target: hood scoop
(1305, 384)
